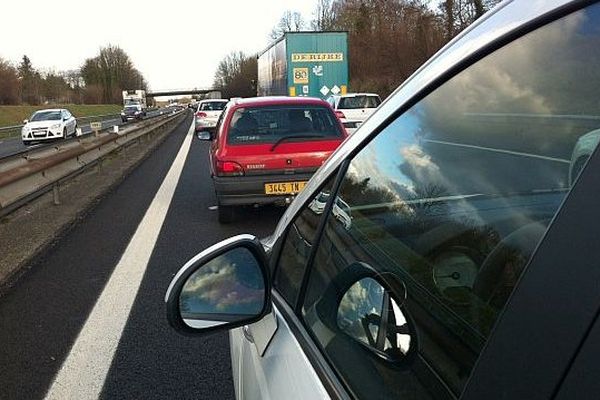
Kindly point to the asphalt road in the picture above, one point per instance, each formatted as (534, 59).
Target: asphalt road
(43, 313)
(14, 145)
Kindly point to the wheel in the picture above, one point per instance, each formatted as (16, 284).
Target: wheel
(75, 131)
(226, 214)
(27, 142)
(65, 134)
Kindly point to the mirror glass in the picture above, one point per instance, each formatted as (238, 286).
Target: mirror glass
(370, 315)
(229, 288)
(203, 135)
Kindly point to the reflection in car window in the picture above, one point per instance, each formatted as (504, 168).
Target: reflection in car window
(298, 245)
(453, 197)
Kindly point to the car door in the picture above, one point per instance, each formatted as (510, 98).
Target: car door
(450, 275)
(271, 358)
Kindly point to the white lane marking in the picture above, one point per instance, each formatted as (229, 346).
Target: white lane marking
(84, 371)
(502, 151)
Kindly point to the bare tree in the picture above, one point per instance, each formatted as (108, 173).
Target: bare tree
(9, 83)
(291, 21)
(323, 16)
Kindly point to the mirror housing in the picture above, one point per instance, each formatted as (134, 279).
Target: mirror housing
(224, 287)
(25, 121)
(204, 135)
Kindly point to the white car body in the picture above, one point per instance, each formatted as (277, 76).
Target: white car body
(41, 128)
(208, 113)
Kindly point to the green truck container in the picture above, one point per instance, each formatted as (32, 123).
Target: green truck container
(313, 64)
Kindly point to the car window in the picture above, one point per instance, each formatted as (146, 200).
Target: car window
(354, 102)
(437, 217)
(272, 123)
(46, 116)
(298, 244)
(212, 106)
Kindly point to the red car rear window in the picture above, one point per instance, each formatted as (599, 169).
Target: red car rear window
(270, 124)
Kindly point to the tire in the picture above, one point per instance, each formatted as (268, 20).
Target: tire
(27, 142)
(225, 214)
(75, 131)
(65, 134)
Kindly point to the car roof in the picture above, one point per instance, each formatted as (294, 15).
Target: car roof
(278, 100)
(210, 100)
(358, 94)
(507, 17)
(49, 110)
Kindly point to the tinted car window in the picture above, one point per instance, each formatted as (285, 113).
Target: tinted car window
(359, 102)
(449, 202)
(213, 106)
(270, 124)
(298, 245)
(46, 116)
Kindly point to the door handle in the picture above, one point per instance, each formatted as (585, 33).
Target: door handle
(247, 334)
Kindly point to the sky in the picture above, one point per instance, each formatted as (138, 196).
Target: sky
(175, 44)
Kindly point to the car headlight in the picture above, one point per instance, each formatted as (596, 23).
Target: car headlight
(55, 126)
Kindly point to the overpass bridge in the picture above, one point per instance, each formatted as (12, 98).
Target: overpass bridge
(181, 92)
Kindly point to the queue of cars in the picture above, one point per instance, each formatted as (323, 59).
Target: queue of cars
(447, 249)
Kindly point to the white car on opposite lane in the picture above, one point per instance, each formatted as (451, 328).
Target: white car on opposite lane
(48, 124)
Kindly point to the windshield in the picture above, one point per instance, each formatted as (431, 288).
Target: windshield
(46, 116)
(213, 106)
(273, 123)
(359, 102)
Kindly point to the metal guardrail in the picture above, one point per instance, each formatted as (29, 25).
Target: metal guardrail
(24, 177)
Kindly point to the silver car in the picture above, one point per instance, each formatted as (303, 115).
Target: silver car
(465, 263)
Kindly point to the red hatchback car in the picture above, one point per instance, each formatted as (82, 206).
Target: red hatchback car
(265, 149)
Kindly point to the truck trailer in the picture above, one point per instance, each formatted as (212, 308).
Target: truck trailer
(313, 64)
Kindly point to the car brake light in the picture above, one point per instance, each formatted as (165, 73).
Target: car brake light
(229, 168)
(340, 114)
(200, 114)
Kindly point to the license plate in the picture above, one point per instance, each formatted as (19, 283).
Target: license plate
(284, 187)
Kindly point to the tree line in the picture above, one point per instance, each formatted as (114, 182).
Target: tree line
(100, 80)
(387, 39)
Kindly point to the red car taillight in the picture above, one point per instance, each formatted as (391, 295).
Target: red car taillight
(200, 114)
(340, 114)
(229, 168)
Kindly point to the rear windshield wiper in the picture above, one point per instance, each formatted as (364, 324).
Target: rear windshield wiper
(283, 139)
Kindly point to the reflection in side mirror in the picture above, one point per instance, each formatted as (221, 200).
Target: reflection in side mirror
(228, 288)
(370, 314)
(204, 135)
(224, 287)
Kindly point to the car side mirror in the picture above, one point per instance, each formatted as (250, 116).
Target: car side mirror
(224, 287)
(204, 135)
(25, 121)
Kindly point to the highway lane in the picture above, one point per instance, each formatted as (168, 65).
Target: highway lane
(42, 315)
(14, 145)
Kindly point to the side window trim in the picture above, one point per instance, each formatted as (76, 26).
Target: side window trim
(339, 174)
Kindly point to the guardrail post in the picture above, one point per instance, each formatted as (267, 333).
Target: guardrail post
(55, 194)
